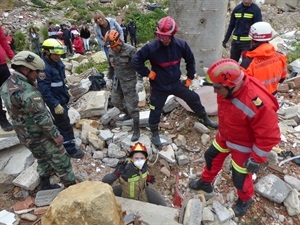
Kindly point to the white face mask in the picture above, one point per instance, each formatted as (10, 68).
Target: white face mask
(139, 163)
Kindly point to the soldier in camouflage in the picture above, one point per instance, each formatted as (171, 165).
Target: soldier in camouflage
(32, 121)
(123, 95)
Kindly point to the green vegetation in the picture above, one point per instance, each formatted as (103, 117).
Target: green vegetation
(20, 41)
(99, 66)
(146, 24)
(295, 54)
(39, 3)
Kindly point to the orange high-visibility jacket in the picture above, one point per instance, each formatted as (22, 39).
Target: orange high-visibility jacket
(265, 64)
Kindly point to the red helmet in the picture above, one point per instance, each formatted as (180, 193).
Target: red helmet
(138, 147)
(166, 26)
(112, 38)
(226, 72)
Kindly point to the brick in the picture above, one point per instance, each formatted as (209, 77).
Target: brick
(283, 88)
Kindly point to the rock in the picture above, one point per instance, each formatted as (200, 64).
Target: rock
(89, 203)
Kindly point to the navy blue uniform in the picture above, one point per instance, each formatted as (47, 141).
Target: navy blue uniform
(242, 18)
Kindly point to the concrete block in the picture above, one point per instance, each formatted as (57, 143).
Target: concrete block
(28, 179)
(283, 88)
(7, 142)
(45, 197)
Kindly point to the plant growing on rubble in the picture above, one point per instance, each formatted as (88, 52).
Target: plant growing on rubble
(20, 41)
(295, 54)
(99, 66)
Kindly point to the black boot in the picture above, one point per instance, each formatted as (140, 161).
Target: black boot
(127, 116)
(208, 122)
(155, 135)
(5, 125)
(201, 185)
(240, 208)
(77, 155)
(136, 131)
(72, 151)
(68, 183)
(45, 184)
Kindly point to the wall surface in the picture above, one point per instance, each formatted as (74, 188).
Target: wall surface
(202, 24)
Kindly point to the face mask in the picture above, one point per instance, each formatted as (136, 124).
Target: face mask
(139, 163)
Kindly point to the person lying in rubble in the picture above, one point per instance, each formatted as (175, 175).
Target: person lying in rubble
(134, 177)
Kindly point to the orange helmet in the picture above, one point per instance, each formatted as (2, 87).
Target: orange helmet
(226, 72)
(112, 38)
(166, 26)
(138, 147)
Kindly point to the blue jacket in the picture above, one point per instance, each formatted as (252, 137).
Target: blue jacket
(51, 83)
(242, 18)
(165, 62)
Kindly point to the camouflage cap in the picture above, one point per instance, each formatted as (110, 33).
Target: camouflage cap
(29, 60)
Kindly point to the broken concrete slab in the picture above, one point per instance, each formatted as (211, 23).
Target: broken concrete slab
(144, 116)
(45, 197)
(6, 182)
(150, 213)
(28, 179)
(208, 100)
(7, 142)
(15, 159)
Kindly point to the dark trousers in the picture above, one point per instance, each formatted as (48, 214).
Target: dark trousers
(62, 121)
(4, 74)
(158, 99)
(133, 39)
(237, 47)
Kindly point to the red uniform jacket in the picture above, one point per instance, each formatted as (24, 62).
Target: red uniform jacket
(249, 119)
(78, 45)
(5, 49)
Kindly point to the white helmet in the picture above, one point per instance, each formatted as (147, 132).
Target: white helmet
(261, 31)
(28, 59)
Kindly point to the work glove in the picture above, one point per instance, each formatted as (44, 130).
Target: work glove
(152, 75)
(252, 166)
(59, 109)
(224, 44)
(150, 179)
(120, 169)
(187, 82)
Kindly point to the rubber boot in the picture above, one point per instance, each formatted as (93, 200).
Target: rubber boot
(136, 131)
(201, 185)
(46, 185)
(67, 183)
(72, 151)
(240, 208)
(208, 122)
(5, 125)
(127, 116)
(155, 135)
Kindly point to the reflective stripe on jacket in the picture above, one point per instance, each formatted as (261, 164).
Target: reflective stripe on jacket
(265, 64)
(248, 121)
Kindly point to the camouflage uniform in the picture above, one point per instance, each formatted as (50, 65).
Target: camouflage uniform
(124, 95)
(34, 127)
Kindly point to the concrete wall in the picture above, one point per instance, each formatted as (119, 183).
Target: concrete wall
(281, 3)
(202, 24)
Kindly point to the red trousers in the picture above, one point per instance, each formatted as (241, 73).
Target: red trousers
(215, 157)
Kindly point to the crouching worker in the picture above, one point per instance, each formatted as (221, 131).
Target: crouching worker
(32, 121)
(133, 177)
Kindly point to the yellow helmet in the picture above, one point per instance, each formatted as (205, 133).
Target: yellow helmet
(29, 60)
(54, 46)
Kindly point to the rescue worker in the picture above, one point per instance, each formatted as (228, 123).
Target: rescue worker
(104, 24)
(164, 54)
(242, 17)
(55, 93)
(5, 51)
(123, 95)
(32, 121)
(262, 61)
(248, 129)
(134, 177)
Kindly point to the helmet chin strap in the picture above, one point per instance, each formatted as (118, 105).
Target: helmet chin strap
(230, 92)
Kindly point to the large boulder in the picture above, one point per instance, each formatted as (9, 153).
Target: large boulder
(89, 202)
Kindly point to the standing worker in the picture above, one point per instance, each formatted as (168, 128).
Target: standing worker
(164, 54)
(5, 51)
(262, 61)
(241, 19)
(132, 32)
(103, 25)
(123, 95)
(248, 130)
(55, 92)
(32, 121)
(125, 30)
